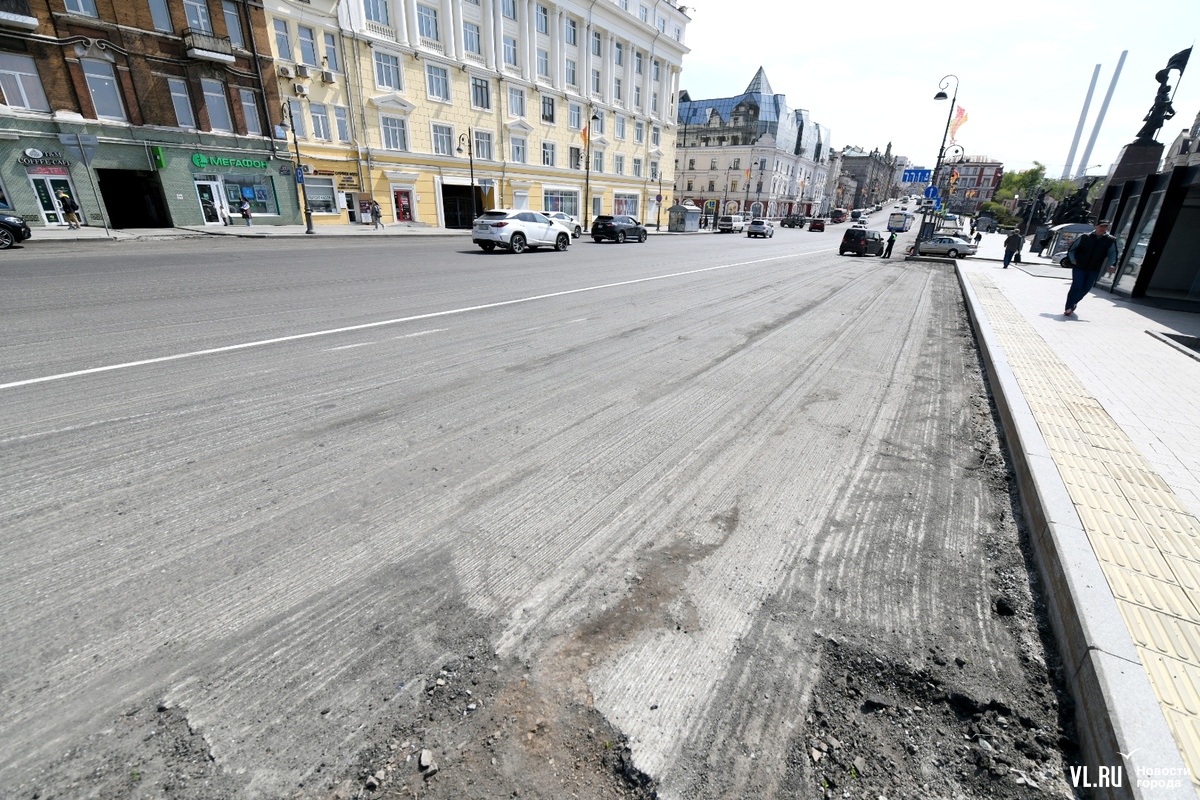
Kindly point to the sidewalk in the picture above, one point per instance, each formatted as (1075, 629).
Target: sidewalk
(1100, 415)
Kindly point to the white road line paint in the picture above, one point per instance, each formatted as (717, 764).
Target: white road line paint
(348, 346)
(421, 333)
(382, 323)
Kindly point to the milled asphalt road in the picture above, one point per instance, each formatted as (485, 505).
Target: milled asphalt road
(269, 483)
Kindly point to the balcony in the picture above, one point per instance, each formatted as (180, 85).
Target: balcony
(16, 14)
(432, 44)
(382, 31)
(207, 47)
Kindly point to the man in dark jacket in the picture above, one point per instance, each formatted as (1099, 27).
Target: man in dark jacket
(1012, 246)
(1089, 254)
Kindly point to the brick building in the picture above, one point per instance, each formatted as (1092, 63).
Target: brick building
(978, 178)
(873, 174)
(169, 100)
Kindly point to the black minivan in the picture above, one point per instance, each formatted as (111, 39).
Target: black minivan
(861, 241)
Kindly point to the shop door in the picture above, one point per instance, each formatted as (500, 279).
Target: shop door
(210, 201)
(404, 209)
(46, 187)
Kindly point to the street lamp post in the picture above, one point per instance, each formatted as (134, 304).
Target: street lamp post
(466, 138)
(941, 95)
(658, 204)
(587, 175)
(724, 200)
(299, 176)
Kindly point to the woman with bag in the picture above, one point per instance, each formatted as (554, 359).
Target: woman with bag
(245, 209)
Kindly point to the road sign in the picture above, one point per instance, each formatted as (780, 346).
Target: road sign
(932, 191)
(299, 175)
(917, 175)
(658, 198)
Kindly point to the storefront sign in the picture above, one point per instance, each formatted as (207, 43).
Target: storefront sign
(347, 181)
(35, 157)
(201, 161)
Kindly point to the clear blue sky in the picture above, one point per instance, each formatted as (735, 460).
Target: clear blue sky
(868, 70)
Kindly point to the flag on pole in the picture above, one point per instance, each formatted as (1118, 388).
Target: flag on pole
(960, 118)
(747, 173)
(1179, 60)
(583, 134)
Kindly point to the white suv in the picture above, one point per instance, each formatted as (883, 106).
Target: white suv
(518, 230)
(566, 219)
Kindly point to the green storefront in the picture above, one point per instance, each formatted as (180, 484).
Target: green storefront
(139, 178)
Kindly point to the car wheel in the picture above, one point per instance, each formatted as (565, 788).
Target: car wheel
(578, 232)
(620, 237)
(562, 242)
(487, 247)
(642, 237)
(952, 253)
(6, 239)
(517, 243)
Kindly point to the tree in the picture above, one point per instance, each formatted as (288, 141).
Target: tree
(999, 213)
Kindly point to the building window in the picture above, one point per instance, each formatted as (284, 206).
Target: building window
(282, 41)
(471, 41)
(387, 71)
(654, 102)
(712, 186)
(481, 93)
(320, 194)
(296, 115)
(443, 140)
(547, 154)
(320, 121)
(637, 96)
(598, 161)
(160, 16)
(620, 127)
(217, 103)
(509, 8)
(619, 54)
(518, 149)
(657, 69)
(102, 85)
(250, 112)
(661, 23)
(395, 132)
(308, 46)
(655, 136)
(571, 31)
(548, 110)
(196, 12)
(559, 200)
(596, 81)
(598, 122)
(637, 168)
(341, 117)
(644, 14)
(182, 101)
(543, 20)
(570, 76)
(543, 63)
(20, 83)
(87, 7)
(437, 79)
(639, 132)
(233, 23)
(575, 117)
(510, 51)
(619, 164)
(596, 43)
(575, 156)
(712, 164)
(516, 102)
(678, 34)
(377, 11)
(427, 22)
(625, 204)
(483, 145)
(689, 185)
(733, 186)
(653, 170)
(616, 88)
(331, 57)
(637, 63)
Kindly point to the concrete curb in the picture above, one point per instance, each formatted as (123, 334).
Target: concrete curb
(1116, 710)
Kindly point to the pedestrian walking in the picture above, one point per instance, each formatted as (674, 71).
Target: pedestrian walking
(978, 237)
(1012, 246)
(70, 210)
(376, 214)
(1089, 254)
(887, 252)
(245, 209)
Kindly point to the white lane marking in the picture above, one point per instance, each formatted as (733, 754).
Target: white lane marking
(421, 333)
(381, 323)
(348, 346)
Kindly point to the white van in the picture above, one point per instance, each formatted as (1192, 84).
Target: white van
(730, 223)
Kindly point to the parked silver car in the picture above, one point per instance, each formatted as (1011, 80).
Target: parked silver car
(760, 227)
(518, 230)
(950, 246)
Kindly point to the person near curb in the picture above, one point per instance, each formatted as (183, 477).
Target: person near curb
(978, 237)
(70, 210)
(376, 214)
(887, 253)
(1012, 246)
(244, 207)
(1089, 254)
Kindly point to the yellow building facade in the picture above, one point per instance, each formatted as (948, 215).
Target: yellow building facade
(440, 109)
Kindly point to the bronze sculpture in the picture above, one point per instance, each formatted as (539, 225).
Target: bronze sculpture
(1162, 110)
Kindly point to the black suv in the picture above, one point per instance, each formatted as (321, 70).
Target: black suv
(617, 227)
(13, 230)
(792, 221)
(861, 241)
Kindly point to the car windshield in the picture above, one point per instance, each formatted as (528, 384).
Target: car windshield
(495, 215)
(604, 219)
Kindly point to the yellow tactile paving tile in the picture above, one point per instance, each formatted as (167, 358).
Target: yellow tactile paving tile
(1165, 597)
(1158, 517)
(1183, 545)
(1186, 731)
(1169, 636)
(1136, 558)
(1187, 574)
(1174, 682)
